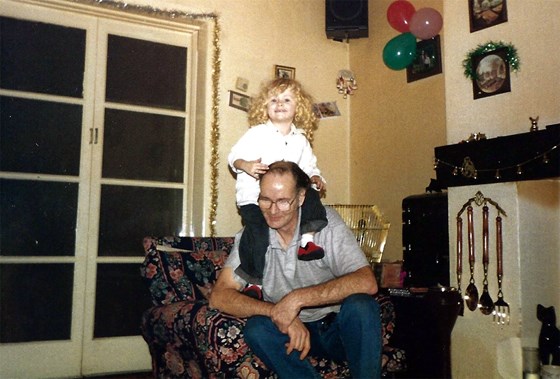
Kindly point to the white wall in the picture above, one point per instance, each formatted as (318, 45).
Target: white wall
(531, 245)
(395, 125)
(533, 30)
(531, 249)
(255, 36)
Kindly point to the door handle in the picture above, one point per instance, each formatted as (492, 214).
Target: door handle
(93, 136)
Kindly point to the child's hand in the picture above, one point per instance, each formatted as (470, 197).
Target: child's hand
(320, 185)
(255, 168)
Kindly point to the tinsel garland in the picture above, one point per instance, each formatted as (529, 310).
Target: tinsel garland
(216, 69)
(468, 169)
(511, 56)
(215, 128)
(148, 10)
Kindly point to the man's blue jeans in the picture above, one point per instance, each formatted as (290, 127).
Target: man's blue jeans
(354, 335)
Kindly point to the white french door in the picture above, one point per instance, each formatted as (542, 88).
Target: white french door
(96, 139)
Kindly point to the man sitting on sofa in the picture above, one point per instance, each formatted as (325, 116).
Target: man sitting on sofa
(321, 307)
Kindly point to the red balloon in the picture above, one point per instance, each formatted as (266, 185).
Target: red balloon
(426, 23)
(399, 15)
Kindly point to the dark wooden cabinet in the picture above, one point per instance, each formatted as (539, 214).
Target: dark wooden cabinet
(425, 239)
(424, 322)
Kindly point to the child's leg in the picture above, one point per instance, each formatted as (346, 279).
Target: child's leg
(253, 244)
(313, 219)
(313, 213)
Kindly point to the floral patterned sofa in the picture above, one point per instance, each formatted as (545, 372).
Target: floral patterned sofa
(187, 339)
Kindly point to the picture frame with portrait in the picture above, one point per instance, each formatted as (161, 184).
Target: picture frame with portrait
(486, 13)
(284, 72)
(326, 109)
(239, 100)
(427, 61)
(491, 73)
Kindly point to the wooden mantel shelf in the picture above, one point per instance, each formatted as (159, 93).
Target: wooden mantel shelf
(526, 156)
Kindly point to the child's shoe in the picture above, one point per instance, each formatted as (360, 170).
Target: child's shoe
(310, 252)
(254, 291)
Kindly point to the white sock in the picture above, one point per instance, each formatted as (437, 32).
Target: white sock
(305, 238)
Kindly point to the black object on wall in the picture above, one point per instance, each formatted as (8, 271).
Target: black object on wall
(346, 19)
(524, 156)
(425, 237)
(424, 323)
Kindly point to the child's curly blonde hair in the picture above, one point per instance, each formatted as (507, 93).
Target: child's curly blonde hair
(304, 118)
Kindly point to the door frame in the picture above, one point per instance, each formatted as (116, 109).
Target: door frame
(81, 354)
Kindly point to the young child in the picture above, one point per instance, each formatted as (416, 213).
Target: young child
(283, 119)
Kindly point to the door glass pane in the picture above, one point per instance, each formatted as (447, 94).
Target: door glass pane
(38, 218)
(44, 58)
(39, 136)
(146, 73)
(36, 302)
(143, 146)
(120, 299)
(128, 214)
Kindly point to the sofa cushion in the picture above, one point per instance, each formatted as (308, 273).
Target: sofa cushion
(183, 268)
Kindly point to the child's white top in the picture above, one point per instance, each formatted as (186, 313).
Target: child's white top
(266, 142)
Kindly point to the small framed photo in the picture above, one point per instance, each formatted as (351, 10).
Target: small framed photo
(492, 75)
(242, 84)
(484, 14)
(284, 72)
(427, 61)
(239, 101)
(326, 110)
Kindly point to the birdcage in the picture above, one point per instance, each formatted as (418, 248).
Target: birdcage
(369, 226)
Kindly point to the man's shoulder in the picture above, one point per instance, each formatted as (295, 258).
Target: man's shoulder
(333, 216)
(336, 226)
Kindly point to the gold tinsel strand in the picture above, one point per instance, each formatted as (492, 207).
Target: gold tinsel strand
(216, 70)
(147, 10)
(215, 128)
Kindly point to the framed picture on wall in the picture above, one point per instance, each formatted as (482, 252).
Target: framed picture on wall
(239, 101)
(492, 75)
(284, 72)
(427, 61)
(326, 109)
(242, 84)
(486, 13)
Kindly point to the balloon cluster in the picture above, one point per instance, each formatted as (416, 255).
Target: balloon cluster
(424, 23)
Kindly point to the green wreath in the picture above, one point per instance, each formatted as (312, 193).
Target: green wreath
(511, 56)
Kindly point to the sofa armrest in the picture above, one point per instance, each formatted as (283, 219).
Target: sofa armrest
(182, 268)
(164, 277)
(167, 331)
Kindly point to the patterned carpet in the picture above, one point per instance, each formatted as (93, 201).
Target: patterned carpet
(136, 375)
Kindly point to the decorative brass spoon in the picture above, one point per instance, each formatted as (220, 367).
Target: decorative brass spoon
(471, 295)
(486, 304)
(460, 263)
(471, 292)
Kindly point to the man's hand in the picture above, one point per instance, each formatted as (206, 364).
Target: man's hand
(285, 312)
(299, 339)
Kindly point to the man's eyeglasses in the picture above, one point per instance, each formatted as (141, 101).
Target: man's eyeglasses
(282, 204)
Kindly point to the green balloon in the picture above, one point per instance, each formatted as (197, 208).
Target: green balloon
(399, 52)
